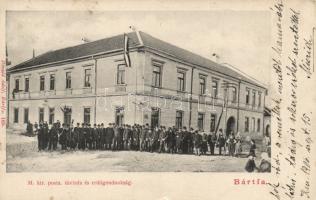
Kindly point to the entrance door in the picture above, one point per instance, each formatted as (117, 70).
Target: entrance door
(119, 116)
(230, 126)
(268, 130)
(155, 117)
(67, 116)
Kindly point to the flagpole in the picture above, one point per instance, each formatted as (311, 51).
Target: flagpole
(136, 71)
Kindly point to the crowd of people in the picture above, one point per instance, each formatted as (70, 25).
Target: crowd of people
(137, 137)
(144, 138)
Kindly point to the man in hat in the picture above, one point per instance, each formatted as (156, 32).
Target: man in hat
(154, 136)
(179, 140)
(134, 137)
(82, 137)
(161, 139)
(116, 136)
(125, 136)
(204, 144)
(186, 140)
(197, 143)
(102, 137)
(89, 136)
(109, 136)
(221, 140)
(40, 136)
(45, 135)
(94, 136)
(63, 138)
(98, 140)
(69, 136)
(211, 142)
(76, 133)
(191, 141)
(120, 137)
(148, 136)
(142, 138)
(52, 138)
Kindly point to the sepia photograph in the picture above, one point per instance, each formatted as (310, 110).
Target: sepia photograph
(138, 91)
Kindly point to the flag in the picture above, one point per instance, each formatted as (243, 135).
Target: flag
(126, 53)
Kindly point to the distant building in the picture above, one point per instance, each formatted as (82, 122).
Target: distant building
(165, 85)
(267, 121)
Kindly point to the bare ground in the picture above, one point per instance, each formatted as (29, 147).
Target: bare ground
(22, 156)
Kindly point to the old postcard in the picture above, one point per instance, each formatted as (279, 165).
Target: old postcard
(158, 100)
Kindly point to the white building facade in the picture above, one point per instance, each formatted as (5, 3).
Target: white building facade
(165, 85)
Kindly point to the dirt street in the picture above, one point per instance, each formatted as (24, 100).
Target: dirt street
(22, 156)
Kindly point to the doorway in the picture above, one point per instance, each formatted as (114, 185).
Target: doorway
(155, 117)
(231, 122)
(119, 116)
(67, 115)
(267, 130)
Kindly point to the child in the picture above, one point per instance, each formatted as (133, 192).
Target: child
(251, 165)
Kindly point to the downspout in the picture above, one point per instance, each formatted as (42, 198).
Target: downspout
(95, 88)
(238, 105)
(190, 99)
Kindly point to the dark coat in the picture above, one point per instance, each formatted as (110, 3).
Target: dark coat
(250, 166)
(109, 134)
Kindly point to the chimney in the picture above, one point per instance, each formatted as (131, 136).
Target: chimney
(33, 53)
(215, 57)
(138, 35)
(85, 40)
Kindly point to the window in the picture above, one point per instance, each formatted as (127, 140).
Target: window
(234, 94)
(27, 85)
(86, 115)
(42, 83)
(253, 122)
(68, 80)
(16, 115)
(246, 124)
(258, 125)
(52, 82)
(155, 117)
(26, 115)
(87, 78)
(41, 115)
(225, 90)
(181, 81)
(213, 122)
(202, 84)
(214, 88)
(253, 98)
(247, 95)
(17, 84)
(259, 99)
(157, 76)
(179, 118)
(51, 115)
(200, 121)
(120, 74)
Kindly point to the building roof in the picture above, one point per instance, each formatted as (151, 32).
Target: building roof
(117, 43)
